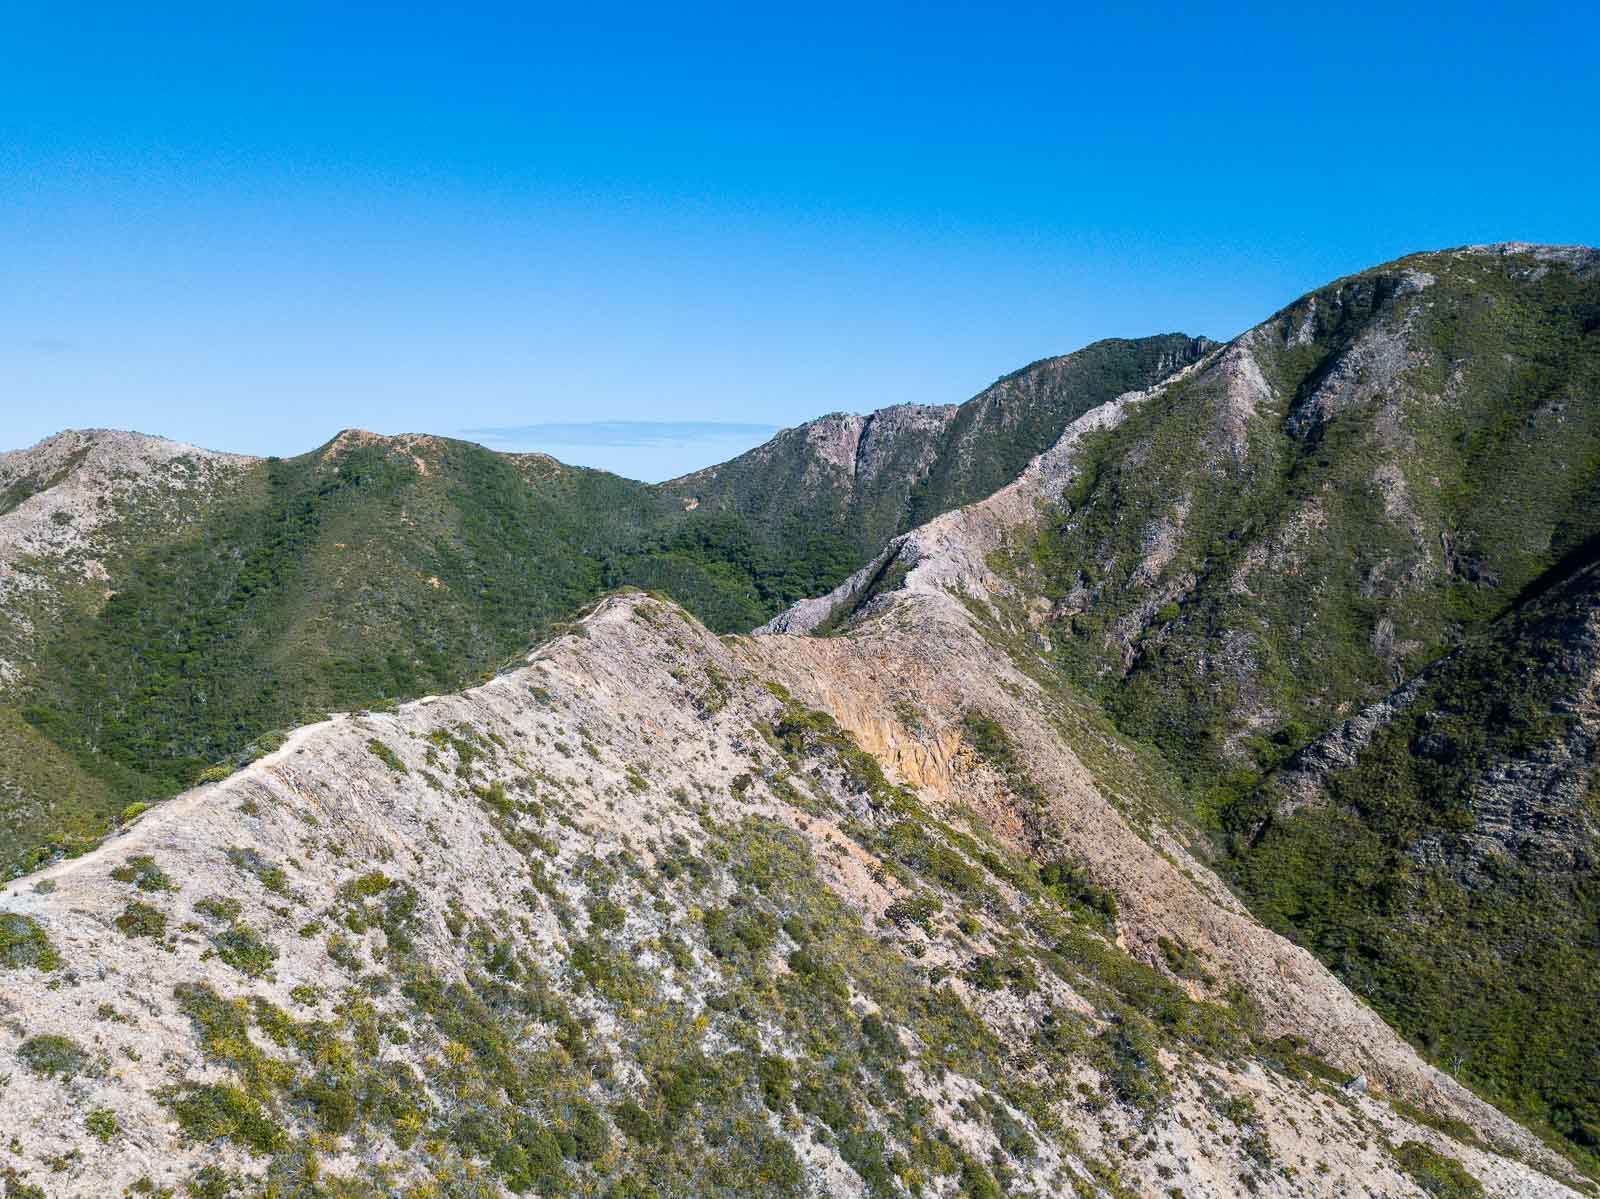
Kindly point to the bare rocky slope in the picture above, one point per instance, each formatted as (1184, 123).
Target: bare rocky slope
(657, 913)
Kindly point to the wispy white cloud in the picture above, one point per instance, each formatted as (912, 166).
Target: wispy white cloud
(642, 449)
(641, 434)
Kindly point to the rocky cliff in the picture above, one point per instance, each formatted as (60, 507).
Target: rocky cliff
(873, 477)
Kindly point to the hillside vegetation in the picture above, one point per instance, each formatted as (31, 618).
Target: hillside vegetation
(1443, 862)
(1125, 724)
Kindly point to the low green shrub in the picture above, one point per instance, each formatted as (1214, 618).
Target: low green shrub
(140, 919)
(23, 944)
(141, 870)
(51, 1056)
(1440, 1176)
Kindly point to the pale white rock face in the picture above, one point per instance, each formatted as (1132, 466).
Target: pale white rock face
(1584, 259)
(1244, 389)
(887, 428)
(833, 440)
(848, 451)
(89, 473)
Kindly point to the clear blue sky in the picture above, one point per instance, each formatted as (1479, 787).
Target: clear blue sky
(251, 226)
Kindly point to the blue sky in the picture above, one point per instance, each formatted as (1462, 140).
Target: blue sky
(251, 226)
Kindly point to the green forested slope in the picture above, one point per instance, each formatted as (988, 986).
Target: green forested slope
(363, 572)
(906, 465)
(1448, 873)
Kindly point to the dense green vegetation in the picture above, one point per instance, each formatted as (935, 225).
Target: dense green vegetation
(731, 573)
(1488, 959)
(1439, 1176)
(51, 800)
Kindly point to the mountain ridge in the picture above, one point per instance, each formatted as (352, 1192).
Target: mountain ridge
(951, 826)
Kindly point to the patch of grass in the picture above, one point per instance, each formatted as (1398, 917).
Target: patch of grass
(102, 1125)
(387, 756)
(221, 908)
(269, 874)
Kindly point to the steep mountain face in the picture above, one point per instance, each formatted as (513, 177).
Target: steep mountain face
(870, 478)
(164, 609)
(1358, 539)
(1439, 850)
(1343, 494)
